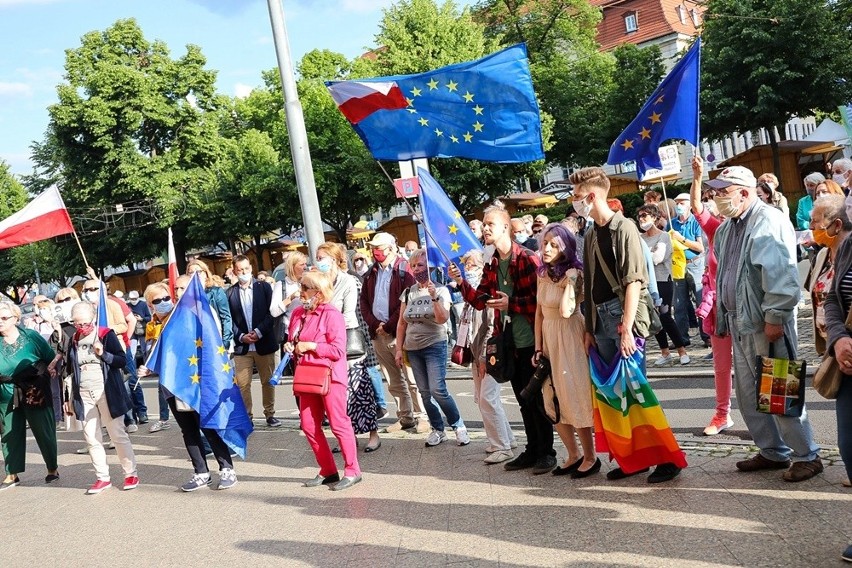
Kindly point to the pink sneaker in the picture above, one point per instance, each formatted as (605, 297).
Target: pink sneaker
(718, 424)
(130, 482)
(98, 487)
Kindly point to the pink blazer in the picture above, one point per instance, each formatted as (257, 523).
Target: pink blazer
(325, 327)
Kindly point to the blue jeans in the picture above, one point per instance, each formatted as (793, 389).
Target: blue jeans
(606, 330)
(779, 438)
(375, 373)
(164, 405)
(844, 422)
(137, 398)
(429, 367)
(682, 306)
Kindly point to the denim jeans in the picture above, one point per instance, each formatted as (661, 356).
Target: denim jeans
(779, 438)
(606, 330)
(429, 366)
(844, 422)
(134, 389)
(375, 373)
(682, 306)
(164, 405)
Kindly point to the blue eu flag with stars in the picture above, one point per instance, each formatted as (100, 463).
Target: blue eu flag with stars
(670, 112)
(452, 234)
(482, 110)
(193, 365)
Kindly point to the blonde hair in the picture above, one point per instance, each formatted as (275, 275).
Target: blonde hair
(320, 282)
(293, 259)
(155, 289)
(592, 178)
(337, 255)
(475, 256)
(66, 293)
(12, 307)
(498, 208)
(200, 264)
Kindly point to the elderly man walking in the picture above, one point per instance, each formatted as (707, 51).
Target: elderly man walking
(758, 291)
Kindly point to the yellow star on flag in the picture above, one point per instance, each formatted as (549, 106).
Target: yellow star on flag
(645, 133)
(478, 109)
(423, 122)
(226, 368)
(655, 117)
(468, 97)
(659, 100)
(198, 342)
(455, 246)
(433, 84)
(410, 101)
(221, 350)
(415, 92)
(438, 132)
(477, 126)
(454, 139)
(452, 86)
(453, 229)
(457, 215)
(193, 360)
(195, 378)
(627, 144)
(412, 110)
(467, 136)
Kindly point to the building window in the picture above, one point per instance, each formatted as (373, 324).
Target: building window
(631, 22)
(681, 13)
(696, 18)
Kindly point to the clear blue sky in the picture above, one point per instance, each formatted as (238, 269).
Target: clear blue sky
(234, 35)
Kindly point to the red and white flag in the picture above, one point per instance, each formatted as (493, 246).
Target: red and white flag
(358, 100)
(173, 271)
(43, 217)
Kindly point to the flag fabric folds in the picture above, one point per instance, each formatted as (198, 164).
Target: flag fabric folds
(42, 218)
(442, 219)
(173, 271)
(193, 365)
(629, 422)
(483, 110)
(670, 112)
(102, 322)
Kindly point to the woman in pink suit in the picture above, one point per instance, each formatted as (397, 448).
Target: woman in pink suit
(318, 335)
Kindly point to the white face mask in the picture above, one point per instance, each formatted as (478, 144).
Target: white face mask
(582, 208)
(91, 297)
(840, 179)
(646, 226)
(46, 314)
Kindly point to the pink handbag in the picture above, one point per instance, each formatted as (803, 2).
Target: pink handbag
(311, 379)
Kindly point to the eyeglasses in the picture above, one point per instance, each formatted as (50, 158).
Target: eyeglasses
(63, 300)
(6, 318)
(156, 301)
(728, 190)
(90, 289)
(307, 288)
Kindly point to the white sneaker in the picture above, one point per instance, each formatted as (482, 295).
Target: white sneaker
(462, 439)
(159, 425)
(499, 456)
(83, 450)
(664, 360)
(685, 360)
(435, 437)
(131, 428)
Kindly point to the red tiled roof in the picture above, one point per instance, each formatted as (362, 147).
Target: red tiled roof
(656, 18)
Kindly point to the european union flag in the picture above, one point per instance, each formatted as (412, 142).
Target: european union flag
(193, 365)
(483, 110)
(442, 219)
(671, 112)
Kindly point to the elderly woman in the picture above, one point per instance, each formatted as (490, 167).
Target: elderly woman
(486, 391)
(559, 332)
(422, 335)
(770, 187)
(98, 398)
(217, 298)
(806, 203)
(25, 396)
(361, 406)
(318, 338)
(830, 226)
(285, 295)
(827, 187)
(60, 341)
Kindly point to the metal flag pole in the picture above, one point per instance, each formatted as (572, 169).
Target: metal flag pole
(419, 218)
(666, 200)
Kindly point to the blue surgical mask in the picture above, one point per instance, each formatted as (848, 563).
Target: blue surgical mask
(681, 209)
(244, 278)
(323, 265)
(163, 308)
(520, 238)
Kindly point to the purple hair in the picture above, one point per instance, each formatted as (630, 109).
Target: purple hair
(567, 245)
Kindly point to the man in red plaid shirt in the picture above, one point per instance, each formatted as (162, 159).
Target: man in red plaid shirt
(509, 285)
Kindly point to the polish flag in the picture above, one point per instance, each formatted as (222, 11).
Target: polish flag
(173, 271)
(43, 217)
(358, 100)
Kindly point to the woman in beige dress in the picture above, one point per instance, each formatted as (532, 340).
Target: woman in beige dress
(559, 332)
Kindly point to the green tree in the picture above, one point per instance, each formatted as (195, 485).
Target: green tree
(132, 124)
(767, 61)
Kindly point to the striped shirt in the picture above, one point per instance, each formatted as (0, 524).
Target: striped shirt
(846, 290)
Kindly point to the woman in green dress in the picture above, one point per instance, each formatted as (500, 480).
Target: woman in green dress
(26, 360)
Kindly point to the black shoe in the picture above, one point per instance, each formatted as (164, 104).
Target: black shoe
(523, 461)
(567, 470)
(664, 472)
(847, 554)
(544, 464)
(346, 483)
(320, 480)
(370, 449)
(596, 467)
(335, 450)
(273, 422)
(51, 477)
(618, 473)
(12, 483)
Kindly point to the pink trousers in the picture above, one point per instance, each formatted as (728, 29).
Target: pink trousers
(723, 352)
(313, 408)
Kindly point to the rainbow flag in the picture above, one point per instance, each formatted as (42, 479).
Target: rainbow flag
(629, 422)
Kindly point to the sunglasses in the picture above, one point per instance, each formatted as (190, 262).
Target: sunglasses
(63, 300)
(6, 318)
(90, 289)
(156, 301)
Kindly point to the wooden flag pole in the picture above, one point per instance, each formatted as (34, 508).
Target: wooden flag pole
(419, 218)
